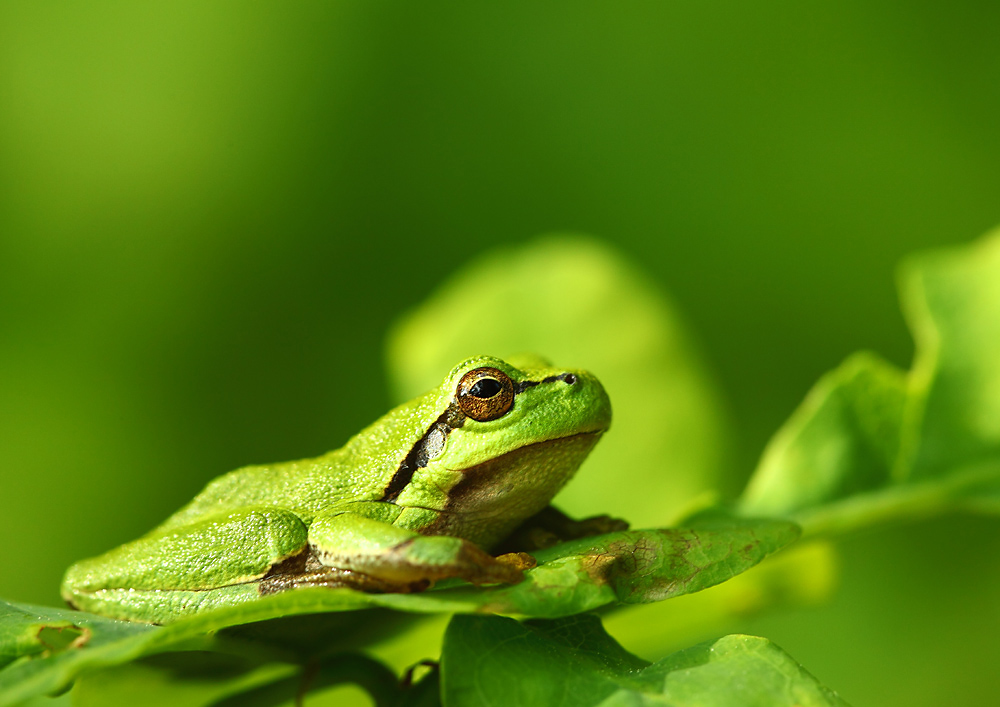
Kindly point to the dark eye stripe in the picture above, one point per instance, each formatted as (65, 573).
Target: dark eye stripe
(418, 457)
(568, 378)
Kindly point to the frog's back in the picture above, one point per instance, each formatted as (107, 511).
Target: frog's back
(359, 471)
(303, 487)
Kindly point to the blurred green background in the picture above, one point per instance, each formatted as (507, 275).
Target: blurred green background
(210, 213)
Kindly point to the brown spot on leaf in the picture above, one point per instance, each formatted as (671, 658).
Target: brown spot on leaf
(599, 567)
(520, 560)
(58, 637)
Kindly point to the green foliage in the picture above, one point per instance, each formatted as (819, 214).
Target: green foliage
(490, 661)
(870, 444)
(626, 567)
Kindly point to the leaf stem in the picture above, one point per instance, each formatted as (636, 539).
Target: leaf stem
(905, 501)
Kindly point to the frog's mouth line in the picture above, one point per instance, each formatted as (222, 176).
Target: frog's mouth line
(477, 469)
(545, 443)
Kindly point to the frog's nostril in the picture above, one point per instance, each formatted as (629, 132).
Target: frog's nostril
(569, 378)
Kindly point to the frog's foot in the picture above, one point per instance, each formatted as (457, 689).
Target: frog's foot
(550, 526)
(437, 557)
(520, 560)
(597, 525)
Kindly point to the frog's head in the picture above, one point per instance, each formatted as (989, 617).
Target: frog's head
(506, 441)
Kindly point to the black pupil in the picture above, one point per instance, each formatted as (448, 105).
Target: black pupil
(485, 388)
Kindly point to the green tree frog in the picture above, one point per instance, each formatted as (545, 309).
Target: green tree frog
(420, 495)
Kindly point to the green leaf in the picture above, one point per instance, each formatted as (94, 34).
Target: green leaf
(190, 679)
(744, 670)
(952, 299)
(578, 302)
(194, 679)
(805, 574)
(635, 567)
(842, 441)
(872, 443)
(494, 661)
(625, 567)
(32, 668)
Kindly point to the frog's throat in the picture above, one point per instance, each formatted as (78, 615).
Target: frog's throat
(495, 496)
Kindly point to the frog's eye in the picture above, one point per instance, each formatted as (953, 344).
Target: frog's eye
(485, 394)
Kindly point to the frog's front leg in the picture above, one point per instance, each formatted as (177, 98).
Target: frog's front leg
(363, 545)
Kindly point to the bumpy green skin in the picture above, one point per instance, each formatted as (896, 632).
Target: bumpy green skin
(344, 519)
